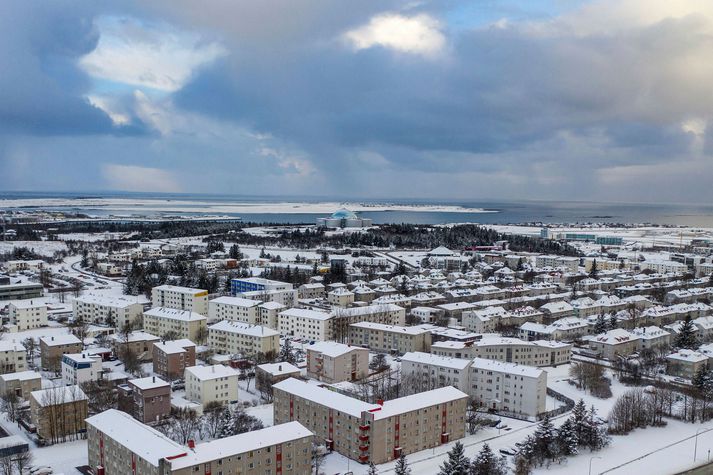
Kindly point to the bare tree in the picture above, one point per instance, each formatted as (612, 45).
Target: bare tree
(318, 453)
(31, 347)
(184, 425)
(10, 404)
(212, 419)
(23, 460)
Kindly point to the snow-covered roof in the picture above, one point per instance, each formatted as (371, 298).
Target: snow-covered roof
(340, 402)
(503, 367)
(617, 336)
(151, 382)
(418, 401)
(241, 443)
(57, 340)
(146, 442)
(272, 305)
(20, 376)
(306, 313)
(332, 348)
(279, 369)
(435, 360)
(136, 335)
(58, 395)
(174, 314)
(28, 303)
(206, 373)
(441, 251)
(115, 301)
(11, 345)
(390, 328)
(688, 356)
(179, 289)
(241, 328)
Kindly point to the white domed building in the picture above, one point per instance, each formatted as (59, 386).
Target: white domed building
(343, 218)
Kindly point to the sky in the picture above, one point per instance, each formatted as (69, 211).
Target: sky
(603, 100)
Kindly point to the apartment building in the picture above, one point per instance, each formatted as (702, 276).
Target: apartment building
(569, 263)
(52, 348)
(21, 291)
(334, 362)
(566, 329)
(27, 314)
(652, 338)
(425, 371)
(138, 342)
(58, 412)
(109, 310)
(13, 357)
(148, 400)
(268, 374)
(256, 284)
(374, 433)
(206, 384)
(311, 291)
(180, 298)
(236, 338)
(22, 383)
(389, 338)
(78, 368)
(235, 309)
(340, 297)
(529, 353)
(121, 445)
(484, 320)
(310, 325)
(616, 343)
(20, 265)
(172, 357)
(686, 363)
(180, 323)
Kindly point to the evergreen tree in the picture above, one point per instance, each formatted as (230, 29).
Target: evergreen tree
(593, 271)
(234, 252)
(600, 326)
(579, 421)
(372, 469)
(402, 467)
(527, 456)
(613, 322)
(595, 433)
(546, 448)
(487, 463)
(457, 463)
(686, 337)
(567, 439)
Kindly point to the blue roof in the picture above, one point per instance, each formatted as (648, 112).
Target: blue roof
(343, 214)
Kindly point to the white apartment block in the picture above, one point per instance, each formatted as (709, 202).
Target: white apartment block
(106, 309)
(306, 324)
(230, 338)
(529, 353)
(493, 384)
(484, 320)
(15, 266)
(286, 297)
(334, 362)
(569, 263)
(389, 338)
(567, 329)
(78, 368)
(13, 357)
(205, 384)
(28, 314)
(664, 267)
(234, 308)
(652, 337)
(340, 297)
(181, 298)
(185, 324)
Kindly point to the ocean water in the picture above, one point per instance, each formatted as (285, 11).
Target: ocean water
(501, 212)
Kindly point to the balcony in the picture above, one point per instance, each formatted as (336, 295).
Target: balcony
(363, 437)
(364, 427)
(363, 458)
(363, 448)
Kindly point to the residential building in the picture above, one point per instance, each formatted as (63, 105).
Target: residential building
(172, 357)
(79, 368)
(22, 383)
(256, 284)
(138, 342)
(115, 311)
(425, 371)
(333, 362)
(205, 384)
(236, 338)
(268, 374)
(148, 400)
(310, 325)
(21, 291)
(52, 348)
(164, 321)
(121, 445)
(340, 297)
(616, 343)
(234, 308)
(13, 356)
(686, 363)
(311, 291)
(389, 338)
(529, 353)
(28, 314)
(566, 329)
(58, 413)
(374, 433)
(652, 338)
(180, 298)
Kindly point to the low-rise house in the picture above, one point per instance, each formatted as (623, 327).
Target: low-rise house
(565, 329)
(147, 399)
(171, 358)
(79, 368)
(652, 338)
(389, 338)
(553, 311)
(21, 383)
(686, 363)
(616, 343)
(13, 356)
(334, 362)
(28, 314)
(119, 444)
(52, 348)
(58, 413)
(215, 383)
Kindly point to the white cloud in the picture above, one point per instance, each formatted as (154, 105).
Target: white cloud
(135, 178)
(158, 57)
(419, 34)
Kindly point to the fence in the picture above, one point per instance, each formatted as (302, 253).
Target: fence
(568, 404)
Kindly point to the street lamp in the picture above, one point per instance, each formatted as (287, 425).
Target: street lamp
(590, 463)
(695, 447)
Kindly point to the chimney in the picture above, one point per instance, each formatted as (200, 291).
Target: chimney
(213, 368)
(191, 444)
(52, 338)
(153, 379)
(380, 402)
(279, 367)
